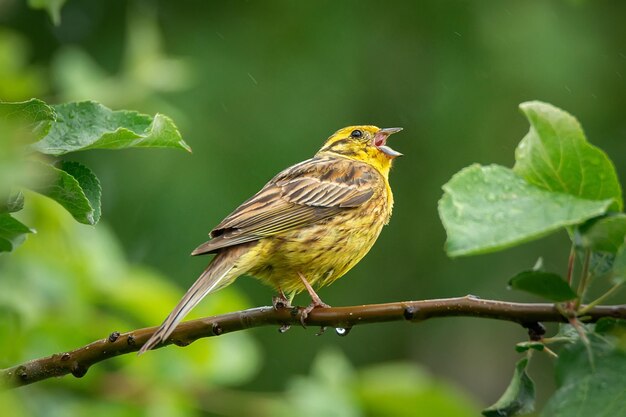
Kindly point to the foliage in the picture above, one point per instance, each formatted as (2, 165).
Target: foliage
(81, 274)
(66, 128)
(559, 181)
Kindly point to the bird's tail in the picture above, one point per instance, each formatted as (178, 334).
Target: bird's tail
(218, 274)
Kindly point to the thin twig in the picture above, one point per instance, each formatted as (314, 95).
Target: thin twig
(570, 264)
(78, 361)
(584, 277)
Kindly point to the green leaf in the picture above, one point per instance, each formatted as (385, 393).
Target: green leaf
(605, 234)
(79, 195)
(88, 182)
(15, 202)
(90, 125)
(588, 388)
(519, 397)
(600, 263)
(619, 265)
(556, 156)
(33, 113)
(489, 208)
(524, 346)
(53, 7)
(543, 284)
(12, 233)
(611, 325)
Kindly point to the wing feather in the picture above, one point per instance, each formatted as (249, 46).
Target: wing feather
(299, 196)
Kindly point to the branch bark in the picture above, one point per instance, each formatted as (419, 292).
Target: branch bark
(78, 361)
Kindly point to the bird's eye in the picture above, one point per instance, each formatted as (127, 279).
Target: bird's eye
(356, 134)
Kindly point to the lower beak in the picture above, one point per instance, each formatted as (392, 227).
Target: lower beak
(380, 141)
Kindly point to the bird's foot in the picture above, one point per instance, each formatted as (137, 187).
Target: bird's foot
(316, 300)
(305, 312)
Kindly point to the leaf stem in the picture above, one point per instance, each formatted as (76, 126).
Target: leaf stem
(601, 298)
(584, 279)
(570, 264)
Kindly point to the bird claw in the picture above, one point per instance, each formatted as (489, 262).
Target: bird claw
(305, 311)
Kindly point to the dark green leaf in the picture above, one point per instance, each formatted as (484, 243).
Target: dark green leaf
(489, 208)
(589, 388)
(543, 284)
(66, 190)
(88, 182)
(90, 125)
(556, 156)
(610, 325)
(15, 202)
(605, 234)
(12, 233)
(519, 397)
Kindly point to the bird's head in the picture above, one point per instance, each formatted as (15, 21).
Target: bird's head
(363, 143)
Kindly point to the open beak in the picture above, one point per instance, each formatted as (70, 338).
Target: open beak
(380, 141)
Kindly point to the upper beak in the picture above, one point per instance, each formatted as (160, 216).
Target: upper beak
(390, 130)
(380, 141)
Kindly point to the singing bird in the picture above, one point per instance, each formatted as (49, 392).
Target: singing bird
(307, 227)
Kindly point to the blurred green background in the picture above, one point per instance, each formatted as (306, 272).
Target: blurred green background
(255, 87)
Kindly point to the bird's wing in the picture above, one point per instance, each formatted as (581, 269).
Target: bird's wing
(299, 196)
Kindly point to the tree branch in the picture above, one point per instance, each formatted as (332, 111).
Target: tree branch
(78, 361)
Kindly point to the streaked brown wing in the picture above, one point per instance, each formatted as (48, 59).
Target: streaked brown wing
(301, 195)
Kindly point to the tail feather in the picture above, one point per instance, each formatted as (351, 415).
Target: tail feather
(218, 274)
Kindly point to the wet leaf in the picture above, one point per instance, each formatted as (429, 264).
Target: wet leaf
(555, 156)
(90, 125)
(489, 208)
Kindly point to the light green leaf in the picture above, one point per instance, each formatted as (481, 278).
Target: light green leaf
(524, 346)
(543, 284)
(33, 113)
(489, 208)
(519, 397)
(90, 125)
(605, 234)
(53, 7)
(585, 388)
(12, 233)
(556, 156)
(68, 191)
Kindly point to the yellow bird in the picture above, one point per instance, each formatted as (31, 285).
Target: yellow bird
(307, 227)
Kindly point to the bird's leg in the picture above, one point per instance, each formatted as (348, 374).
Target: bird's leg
(282, 301)
(316, 301)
